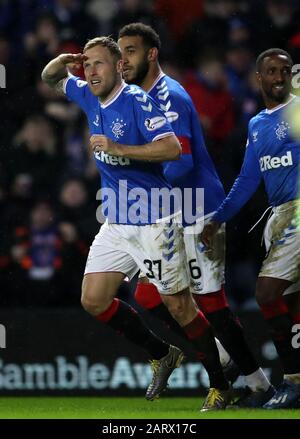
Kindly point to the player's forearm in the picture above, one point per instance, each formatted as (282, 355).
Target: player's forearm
(243, 188)
(54, 72)
(241, 192)
(165, 149)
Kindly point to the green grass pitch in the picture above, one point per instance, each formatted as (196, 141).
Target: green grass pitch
(124, 408)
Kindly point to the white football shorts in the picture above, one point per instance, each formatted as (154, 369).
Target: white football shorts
(205, 267)
(156, 249)
(282, 240)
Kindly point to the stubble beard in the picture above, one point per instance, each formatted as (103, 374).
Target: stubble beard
(141, 73)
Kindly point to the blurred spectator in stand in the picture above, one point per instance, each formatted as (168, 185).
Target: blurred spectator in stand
(74, 22)
(47, 40)
(132, 11)
(16, 81)
(78, 221)
(239, 61)
(35, 153)
(35, 257)
(171, 68)
(239, 32)
(17, 17)
(77, 212)
(21, 199)
(43, 42)
(41, 99)
(39, 46)
(178, 15)
(91, 174)
(103, 11)
(277, 24)
(294, 50)
(4, 236)
(47, 260)
(252, 101)
(77, 152)
(209, 32)
(208, 88)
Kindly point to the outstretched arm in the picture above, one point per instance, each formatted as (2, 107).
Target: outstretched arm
(243, 188)
(57, 70)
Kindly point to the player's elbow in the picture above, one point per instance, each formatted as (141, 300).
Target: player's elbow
(44, 74)
(175, 149)
(50, 80)
(45, 77)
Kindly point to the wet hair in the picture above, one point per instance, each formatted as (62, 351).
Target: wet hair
(107, 42)
(271, 52)
(147, 33)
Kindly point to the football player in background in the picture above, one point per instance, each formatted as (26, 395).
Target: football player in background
(272, 155)
(140, 46)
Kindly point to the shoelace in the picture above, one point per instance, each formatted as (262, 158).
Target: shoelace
(213, 396)
(154, 365)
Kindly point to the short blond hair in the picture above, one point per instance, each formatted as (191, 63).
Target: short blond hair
(107, 42)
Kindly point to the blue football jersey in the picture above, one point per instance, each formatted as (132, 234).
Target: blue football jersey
(131, 117)
(195, 168)
(272, 155)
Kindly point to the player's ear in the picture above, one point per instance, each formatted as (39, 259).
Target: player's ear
(258, 77)
(120, 66)
(152, 54)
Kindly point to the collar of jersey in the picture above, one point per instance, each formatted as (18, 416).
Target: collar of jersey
(281, 105)
(156, 80)
(114, 97)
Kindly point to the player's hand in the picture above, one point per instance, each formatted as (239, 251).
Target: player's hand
(208, 233)
(100, 142)
(72, 60)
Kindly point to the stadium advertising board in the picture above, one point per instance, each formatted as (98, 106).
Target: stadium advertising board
(68, 353)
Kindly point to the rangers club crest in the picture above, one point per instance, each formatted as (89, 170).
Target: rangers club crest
(281, 130)
(117, 128)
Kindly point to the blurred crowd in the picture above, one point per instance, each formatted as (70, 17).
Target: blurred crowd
(48, 179)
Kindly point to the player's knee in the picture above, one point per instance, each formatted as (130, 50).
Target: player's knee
(91, 300)
(92, 306)
(94, 303)
(176, 307)
(262, 292)
(263, 296)
(269, 289)
(177, 311)
(86, 305)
